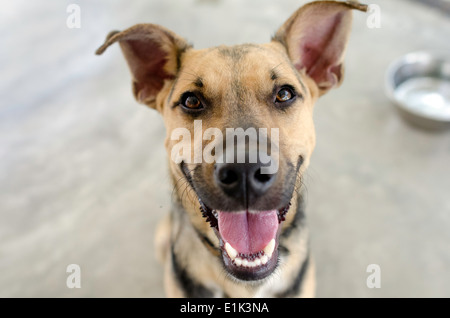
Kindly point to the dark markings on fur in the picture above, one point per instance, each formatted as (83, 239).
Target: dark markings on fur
(180, 52)
(273, 75)
(298, 78)
(295, 288)
(208, 244)
(283, 249)
(199, 82)
(237, 52)
(299, 213)
(282, 41)
(169, 98)
(184, 169)
(186, 174)
(298, 219)
(190, 287)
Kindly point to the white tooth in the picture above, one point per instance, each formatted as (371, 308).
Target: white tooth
(257, 262)
(238, 261)
(264, 259)
(268, 250)
(244, 262)
(232, 253)
(251, 264)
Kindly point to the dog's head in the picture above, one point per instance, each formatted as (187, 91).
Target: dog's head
(239, 123)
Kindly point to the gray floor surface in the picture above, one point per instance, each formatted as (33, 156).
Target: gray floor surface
(83, 175)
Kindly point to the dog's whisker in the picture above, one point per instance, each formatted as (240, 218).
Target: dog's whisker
(194, 75)
(186, 192)
(177, 185)
(183, 187)
(274, 68)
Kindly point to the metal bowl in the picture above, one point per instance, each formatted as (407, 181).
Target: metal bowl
(419, 84)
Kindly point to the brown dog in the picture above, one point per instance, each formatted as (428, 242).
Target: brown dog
(234, 229)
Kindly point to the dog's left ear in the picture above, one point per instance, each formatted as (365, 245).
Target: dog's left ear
(153, 54)
(315, 38)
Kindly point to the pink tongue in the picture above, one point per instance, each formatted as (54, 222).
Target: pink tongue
(248, 232)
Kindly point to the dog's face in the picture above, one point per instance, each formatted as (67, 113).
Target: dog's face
(209, 97)
(251, 87)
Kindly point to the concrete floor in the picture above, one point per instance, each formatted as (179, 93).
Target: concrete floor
(83, 175)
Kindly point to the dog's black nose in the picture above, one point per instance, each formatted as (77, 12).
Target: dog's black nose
(243, 181)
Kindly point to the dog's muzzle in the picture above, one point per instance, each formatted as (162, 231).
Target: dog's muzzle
(248, 237)
(245, 207)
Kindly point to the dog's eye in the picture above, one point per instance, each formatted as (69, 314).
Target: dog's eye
(190, 102)
(285, 94)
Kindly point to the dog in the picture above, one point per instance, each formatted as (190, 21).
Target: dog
(234, 230)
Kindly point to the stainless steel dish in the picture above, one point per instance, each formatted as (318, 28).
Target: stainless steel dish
(419, 84)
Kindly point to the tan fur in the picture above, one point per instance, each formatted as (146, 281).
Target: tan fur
(237, 79)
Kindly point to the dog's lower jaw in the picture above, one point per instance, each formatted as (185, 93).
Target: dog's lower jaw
(255, 267)
(251, 265)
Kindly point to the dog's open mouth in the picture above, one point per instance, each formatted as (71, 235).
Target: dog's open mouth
(248, 239)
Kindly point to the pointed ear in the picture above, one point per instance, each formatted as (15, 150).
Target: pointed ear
(153, 55)
(315, 38)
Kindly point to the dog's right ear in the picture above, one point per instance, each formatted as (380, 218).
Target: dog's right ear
(153, 54)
